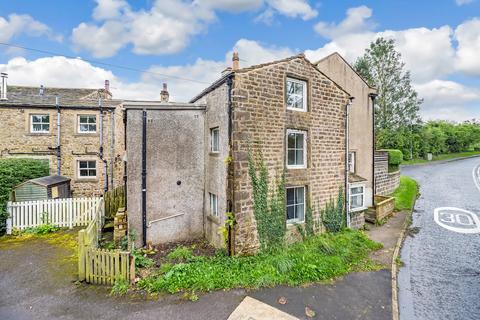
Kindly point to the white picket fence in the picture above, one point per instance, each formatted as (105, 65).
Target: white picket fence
(66, 212)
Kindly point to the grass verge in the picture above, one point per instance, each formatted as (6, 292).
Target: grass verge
(439, 157)
(321, 257)
(405, 194)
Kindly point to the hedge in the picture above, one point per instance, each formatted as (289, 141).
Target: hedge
(395, 157)
(14, 172)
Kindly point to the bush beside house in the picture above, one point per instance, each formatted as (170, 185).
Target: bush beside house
(14, 172)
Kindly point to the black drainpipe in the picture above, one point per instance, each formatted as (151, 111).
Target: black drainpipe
(59, 154)
(374, 186)
(230, 202)
(144, 178)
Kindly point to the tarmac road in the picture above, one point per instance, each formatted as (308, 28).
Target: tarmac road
(440, 278)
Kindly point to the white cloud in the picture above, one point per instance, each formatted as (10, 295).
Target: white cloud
(17, 24)
(468, 52)
(463, 2)
(108, 9)
(293, 8)
(168, 26)
(357, 21)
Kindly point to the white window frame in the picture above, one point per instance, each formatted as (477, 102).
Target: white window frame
(350, 195)
(88, 124)
(79, 176)
(305, 147)
(305, 94)
(296, 220)
(41, 123)
(352, 155)
(212, 140)
(213, 204)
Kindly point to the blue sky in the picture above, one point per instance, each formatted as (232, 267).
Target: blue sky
(439, 41)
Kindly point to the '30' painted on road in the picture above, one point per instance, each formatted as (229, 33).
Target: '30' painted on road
(457, 220)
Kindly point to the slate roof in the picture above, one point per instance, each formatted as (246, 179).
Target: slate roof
(74, 97)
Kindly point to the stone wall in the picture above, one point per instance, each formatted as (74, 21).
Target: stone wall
(385, 182)
(260, 121)
(17, 141)
(357, 219)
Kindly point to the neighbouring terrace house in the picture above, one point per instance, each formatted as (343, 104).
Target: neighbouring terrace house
(75, 130)
(187, 163)
(361, 136)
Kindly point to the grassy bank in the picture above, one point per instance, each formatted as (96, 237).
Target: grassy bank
(439, 157)
(321, 257)
(405, 194)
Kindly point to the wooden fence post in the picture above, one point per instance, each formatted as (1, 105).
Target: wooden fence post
(132, 269)
(81, 255)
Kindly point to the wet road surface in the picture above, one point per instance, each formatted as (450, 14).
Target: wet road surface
(440, 278)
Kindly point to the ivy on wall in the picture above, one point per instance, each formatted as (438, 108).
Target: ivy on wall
(268, 203)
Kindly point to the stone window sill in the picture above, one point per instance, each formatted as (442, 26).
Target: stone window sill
(213, 219)
(86, 180)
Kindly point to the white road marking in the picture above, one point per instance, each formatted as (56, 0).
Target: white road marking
(476, 176)
(457, 220)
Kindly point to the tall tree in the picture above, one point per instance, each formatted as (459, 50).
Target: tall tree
(397, 104)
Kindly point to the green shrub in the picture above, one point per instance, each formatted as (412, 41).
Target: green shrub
(395, 157)
(120, 287)
(43, 229)
(181, 253)
(141, 261)
(333, 216)
(320, 257)
(14, 172)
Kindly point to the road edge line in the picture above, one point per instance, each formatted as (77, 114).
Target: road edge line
(394, 267)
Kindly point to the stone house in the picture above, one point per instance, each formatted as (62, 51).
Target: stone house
(361, 133)
(75, 130)
(187, 164)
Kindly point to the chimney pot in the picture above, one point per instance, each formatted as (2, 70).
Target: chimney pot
(3, 89)
(235, 61)
(107, 85)
(42, 90)
(164, 95)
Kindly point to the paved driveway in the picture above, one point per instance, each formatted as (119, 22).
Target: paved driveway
(441, 276)
(37, 281)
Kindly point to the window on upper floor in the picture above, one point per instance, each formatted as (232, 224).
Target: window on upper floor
(39, 123)
(87, 123)
(296, 94)
(215, 140)
(296, 149)
(295, 204)
(87, 169)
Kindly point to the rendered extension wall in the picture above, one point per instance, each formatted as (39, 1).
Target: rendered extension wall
(175, 174)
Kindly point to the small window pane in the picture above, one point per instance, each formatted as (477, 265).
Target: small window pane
(295, 208)
(290, 212)
(299, 156)
(296, 94)
(290, 196)
(87, 123)
(215, 140)
(299, 195)
(296, 149)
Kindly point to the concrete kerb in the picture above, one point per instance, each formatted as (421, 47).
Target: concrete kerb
(396, 253)
(438, 161)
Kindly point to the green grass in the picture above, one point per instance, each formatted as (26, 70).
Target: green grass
(320, 257)
(442, 157)
(405, 194)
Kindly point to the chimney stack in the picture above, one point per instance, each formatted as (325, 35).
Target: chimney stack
(164, 94)
(107, 85)
(42, 90)
(235, 61)
(3, 93)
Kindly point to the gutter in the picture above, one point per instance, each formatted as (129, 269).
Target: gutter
(125, 159)
(105, 172)
(230, 173)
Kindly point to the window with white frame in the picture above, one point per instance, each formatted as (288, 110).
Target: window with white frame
(357, 197)
(213, 205)
(87, 123)
(40, 123)
(295, 204)
(296, 94)
(215, 140)
(296, 149)
(351, 161)
(87, 169)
